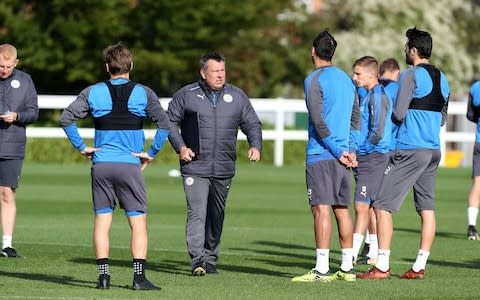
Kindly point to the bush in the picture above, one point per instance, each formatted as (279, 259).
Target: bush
(54, 150)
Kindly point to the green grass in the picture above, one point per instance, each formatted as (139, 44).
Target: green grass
(267, 239)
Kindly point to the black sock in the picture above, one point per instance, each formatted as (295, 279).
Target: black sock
(102, 265)
(138, 269)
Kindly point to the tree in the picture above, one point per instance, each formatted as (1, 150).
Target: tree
(377, 28)
(61, 41)
(267, 42)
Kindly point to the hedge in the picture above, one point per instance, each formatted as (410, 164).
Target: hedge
(54, 150)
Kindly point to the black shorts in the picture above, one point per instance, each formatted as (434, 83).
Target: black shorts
(118, 181)
(10, 170)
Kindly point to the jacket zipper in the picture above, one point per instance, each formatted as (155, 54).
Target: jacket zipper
(214, 136)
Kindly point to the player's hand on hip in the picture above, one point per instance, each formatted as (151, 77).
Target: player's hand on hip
(89, 151)
(144, 158)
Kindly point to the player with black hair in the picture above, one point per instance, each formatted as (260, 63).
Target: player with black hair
(420, 110)
(333, 118)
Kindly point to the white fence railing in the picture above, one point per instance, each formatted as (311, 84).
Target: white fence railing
(280, 107)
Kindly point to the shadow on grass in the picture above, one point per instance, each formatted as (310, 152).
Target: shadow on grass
(279, 251)
(283, 250)
(473, 264)
(63, 280)
(449, 235)
(253, 270)
(169, 266)
(183, 267)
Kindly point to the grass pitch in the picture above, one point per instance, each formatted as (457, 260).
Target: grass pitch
(267, 239)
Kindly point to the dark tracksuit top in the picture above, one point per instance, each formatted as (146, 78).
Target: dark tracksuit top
(17, 94)
(220, 115)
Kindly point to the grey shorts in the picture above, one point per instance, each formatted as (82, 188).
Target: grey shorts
(407, 169)
(368, 175)
(124, 182)
(476, 160)
(328, 183)
(10, 170)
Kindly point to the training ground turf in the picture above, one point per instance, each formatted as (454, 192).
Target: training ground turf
(267, 239)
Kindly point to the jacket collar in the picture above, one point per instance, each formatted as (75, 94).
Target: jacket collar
(206, 89)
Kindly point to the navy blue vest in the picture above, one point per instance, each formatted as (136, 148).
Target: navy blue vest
(119, 118)
(435, 100)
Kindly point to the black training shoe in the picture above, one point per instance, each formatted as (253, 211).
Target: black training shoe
(365, 250)
(144, 285)
(211, 269)
(367, 261)
(103, 282)
(9, 252)
(198, 269)
(472, 233)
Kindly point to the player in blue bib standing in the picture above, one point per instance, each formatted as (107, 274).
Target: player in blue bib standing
(118, 107)
(420, 110)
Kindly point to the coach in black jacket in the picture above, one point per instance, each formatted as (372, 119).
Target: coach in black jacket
(18, 108)
(205, 117)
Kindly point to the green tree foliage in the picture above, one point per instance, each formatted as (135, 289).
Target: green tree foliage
(60, 42)
(377, 28)
(266, 42)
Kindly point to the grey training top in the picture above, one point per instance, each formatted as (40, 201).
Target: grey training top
(218, 126)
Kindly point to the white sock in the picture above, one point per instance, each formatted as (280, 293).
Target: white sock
(367, 237)
(383, 260)
(357, 243)
(373, 251)
(347, 263)
(421, 260)
(472, 214)
(322, 264)
(7, 241)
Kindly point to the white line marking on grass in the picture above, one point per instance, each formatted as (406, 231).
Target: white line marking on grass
(35, 297)
(67, 298)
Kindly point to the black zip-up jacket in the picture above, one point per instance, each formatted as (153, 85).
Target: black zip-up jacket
(17, 94)
(218, 126)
